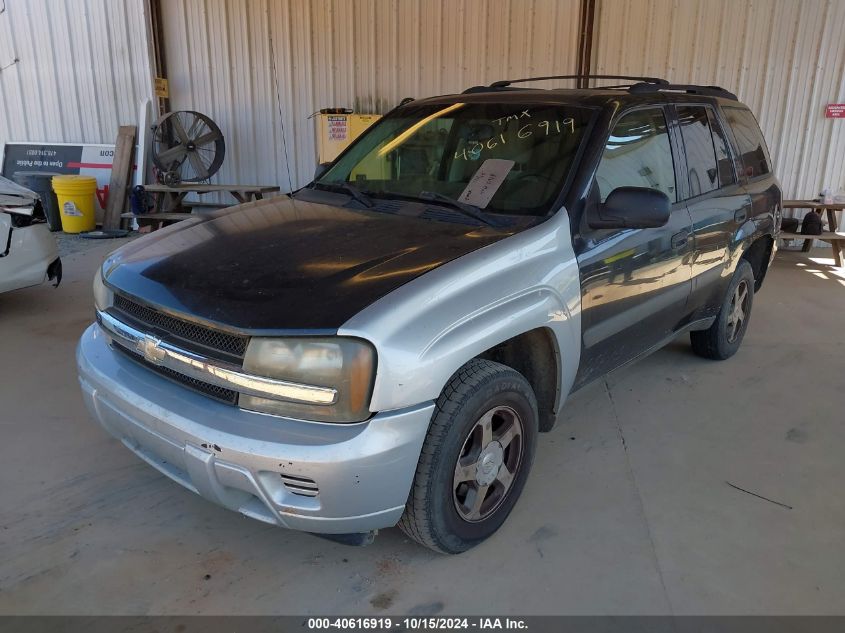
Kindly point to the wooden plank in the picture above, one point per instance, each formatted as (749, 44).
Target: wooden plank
(159, 216)
(825, 237)
(800, 204)
(812, 204)
(121, 174)
(206, 188)
(204, 205)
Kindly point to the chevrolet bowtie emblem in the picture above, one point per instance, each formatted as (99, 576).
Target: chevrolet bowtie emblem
(150, 348)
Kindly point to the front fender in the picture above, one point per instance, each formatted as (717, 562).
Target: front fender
(428, 328)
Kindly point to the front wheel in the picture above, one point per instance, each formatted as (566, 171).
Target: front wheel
(722, 339)
(475, 459)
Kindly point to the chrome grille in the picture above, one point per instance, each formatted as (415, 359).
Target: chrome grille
(213, 391)
(229, 344)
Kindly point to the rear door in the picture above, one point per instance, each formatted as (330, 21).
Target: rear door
(634, 282)
(755, 169)
(718, 204)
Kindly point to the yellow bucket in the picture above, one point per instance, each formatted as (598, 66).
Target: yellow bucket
(76, 202)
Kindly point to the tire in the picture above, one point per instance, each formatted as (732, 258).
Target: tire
(722, 339)
(441, 512)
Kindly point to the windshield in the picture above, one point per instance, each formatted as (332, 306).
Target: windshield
(505, 158)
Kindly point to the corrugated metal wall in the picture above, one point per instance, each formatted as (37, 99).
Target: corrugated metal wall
(365, 54)
(784, 58)
(83, 67)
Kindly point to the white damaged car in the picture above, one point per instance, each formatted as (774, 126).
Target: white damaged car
(28, 252)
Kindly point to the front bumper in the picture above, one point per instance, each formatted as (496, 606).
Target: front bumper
(31, 258)
(263, 466)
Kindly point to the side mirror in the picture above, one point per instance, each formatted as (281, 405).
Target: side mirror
(320, 170)
(631, 208)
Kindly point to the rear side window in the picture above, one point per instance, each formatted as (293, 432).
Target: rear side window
(727, 171)
(749, 139)
(702, 170)
(638, 154)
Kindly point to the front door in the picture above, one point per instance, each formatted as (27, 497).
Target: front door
(634, 282)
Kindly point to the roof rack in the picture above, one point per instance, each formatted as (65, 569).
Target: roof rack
(647, 80)
(710, 91)
(640, 85)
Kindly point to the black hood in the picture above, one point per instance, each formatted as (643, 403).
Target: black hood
(287, 265)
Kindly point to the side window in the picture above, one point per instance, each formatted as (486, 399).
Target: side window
(727, 173)
(638, 154)
(749, 139)
(701, 155)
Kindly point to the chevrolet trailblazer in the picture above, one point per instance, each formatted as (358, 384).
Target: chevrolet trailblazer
(384, 345)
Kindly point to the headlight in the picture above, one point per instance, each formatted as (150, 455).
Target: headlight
(103, 296)
(344, 364)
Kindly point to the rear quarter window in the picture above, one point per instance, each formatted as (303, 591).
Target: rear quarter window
(702, 170)
(749, 139)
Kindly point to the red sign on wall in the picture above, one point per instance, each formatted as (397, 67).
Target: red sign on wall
(834, 111)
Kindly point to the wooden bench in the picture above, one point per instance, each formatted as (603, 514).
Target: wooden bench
(835, 238)
(201, 207)
(162, 219)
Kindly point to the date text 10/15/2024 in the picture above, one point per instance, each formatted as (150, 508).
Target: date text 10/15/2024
(417, 623)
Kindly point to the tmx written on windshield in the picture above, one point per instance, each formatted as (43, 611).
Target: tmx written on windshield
(476, 147)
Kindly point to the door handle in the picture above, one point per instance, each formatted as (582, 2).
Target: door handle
(741, 216)
(679, 240)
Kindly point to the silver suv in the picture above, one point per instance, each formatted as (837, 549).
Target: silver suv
(383, 346)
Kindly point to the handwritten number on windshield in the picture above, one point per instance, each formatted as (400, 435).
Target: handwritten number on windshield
(545, 127)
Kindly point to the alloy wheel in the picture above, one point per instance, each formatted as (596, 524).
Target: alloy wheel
(488, 463)
(738, 310)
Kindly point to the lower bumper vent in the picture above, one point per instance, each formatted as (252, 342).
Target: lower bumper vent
(301, 486)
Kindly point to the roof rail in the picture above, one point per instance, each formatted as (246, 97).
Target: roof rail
(710, 91)
(648, 80)
(641, 85)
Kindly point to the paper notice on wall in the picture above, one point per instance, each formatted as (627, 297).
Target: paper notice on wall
(486, 182)
(338, 128)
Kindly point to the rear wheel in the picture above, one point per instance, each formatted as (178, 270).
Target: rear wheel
(475, 460)
(722, 339)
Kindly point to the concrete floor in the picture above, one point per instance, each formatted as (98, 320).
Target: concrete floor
(627, 511)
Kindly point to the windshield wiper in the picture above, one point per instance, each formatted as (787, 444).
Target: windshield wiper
(351, 189)
(467, 209)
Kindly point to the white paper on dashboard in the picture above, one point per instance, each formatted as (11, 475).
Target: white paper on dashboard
(486, 182)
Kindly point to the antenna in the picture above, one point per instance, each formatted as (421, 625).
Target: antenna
(279, 102)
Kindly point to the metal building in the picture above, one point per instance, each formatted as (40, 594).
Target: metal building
(72, 71)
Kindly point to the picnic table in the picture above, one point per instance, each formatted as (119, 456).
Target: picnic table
(174, 198)
(833, 235)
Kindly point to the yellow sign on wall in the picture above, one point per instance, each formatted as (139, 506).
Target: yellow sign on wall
(161, 88)
(336, 131)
